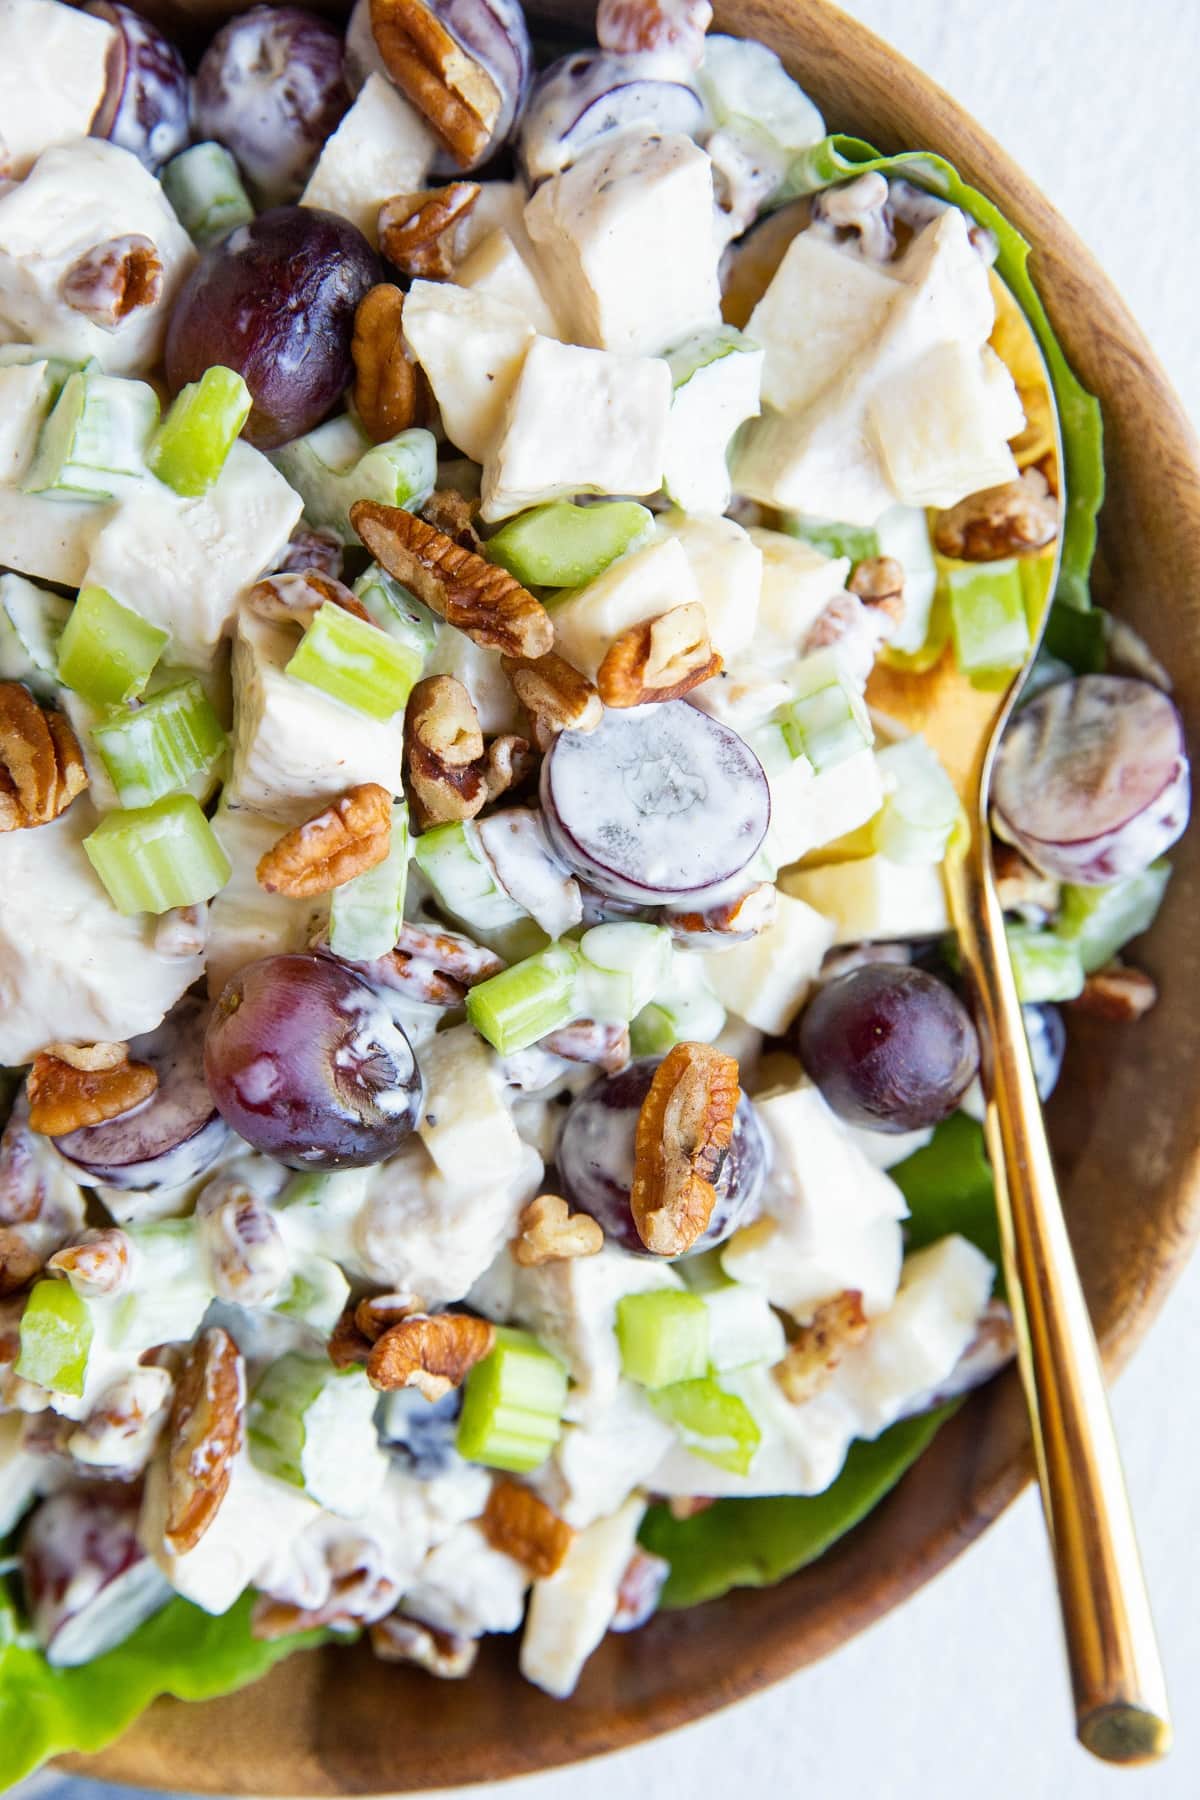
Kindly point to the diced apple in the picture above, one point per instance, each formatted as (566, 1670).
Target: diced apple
(717, 377)
(570, 1611)
(766, 980)
(465, 1124)
(472, 346)
(934, 422)
(244, 921)
(382, 147)
(638, 586)
(809, 810)
(874, 898)
(822, 308)
(797, 583)
(496, 268)
(53, 72)
(727, 566)
(26, 391)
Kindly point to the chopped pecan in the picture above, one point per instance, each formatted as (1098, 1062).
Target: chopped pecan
(508, 762)
(1014, 520)
(114, 279)
(638, 1595)
(119, 1433)
(858, 629)
(443, 752)
(860, 207)
(416, 231)
(97, 1264)
(660, 659)
(247, 1257)
(61, 1098)
(1117, 993)
(387, 384)
(816, 1351)
(688, 1506)
(452, 91)
(735, 922)
(481, 599)
(555, 695)
(357, 1597)
(442, 1653)
(377, 1313)
(629, 27)
(296, 596)
(878, 582)
(551, 1232)
(450, 512)
(347, 1346)
(683, 1133)
(331, 848)
(434, 967)
(1019, 886)
(519, 1524)
(20, 1259)
(430, 1352)
(41, 764)
(204, 1436)
(590, 1041)
(308, 548)
(89, 1056)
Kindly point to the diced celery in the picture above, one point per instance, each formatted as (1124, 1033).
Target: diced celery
(171, 1287)
(55, 1338)
(396, 611)
(684, 1008)
(513, 1404)
(107, 652)
(743, 1330)
(355, 663)
(562, 545)
(1045, 966)
(37, 617)
(921, 809)
(1099, 921)
(315, 1295)
(452, 861)
(622, 967)
(98, 432)
(190, 447)
(161, 745)
(772, 744)
(205, 189)
(716, 377)
(157, 857)
(828, 719)
(313, 1426)
(987, 616)
(713, 1424)
(337, 464)
(365, 915)
(832, 538)
(520, 1005)
(663, 1337)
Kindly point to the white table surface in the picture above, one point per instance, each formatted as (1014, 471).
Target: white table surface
(962, 1692)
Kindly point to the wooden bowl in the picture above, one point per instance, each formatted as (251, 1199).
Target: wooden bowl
(1126, 1125)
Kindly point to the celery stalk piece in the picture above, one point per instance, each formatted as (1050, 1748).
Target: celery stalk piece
(365, 914)
(37, 618)
(56, 1338)
(1046, 966)
(713, 1424)
(716, 380)
(828, 720)
(562, 545)
(205, 189)
(162, 745)
(520, 1005)
(621, 969)
(190, 447)
(97, 434)
(106, 652)
(356, 663)
(987, 616)
(313, 1427)
(832, 538)
(921, 810)
(743, 1330)
(316, 1294)
(157, 857)
(513, 1404)
(684, 1007)
(453, 862)
(337, 464)
(663, 1337)
(1099, 921)
(396, 611)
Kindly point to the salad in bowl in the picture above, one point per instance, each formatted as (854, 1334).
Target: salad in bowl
(491, 1092)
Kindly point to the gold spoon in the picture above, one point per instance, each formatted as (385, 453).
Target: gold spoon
(1116, 1672)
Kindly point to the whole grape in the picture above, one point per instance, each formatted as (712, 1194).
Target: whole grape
(891, 1048)
(147, 96)
(275, 300)
(304, 1061)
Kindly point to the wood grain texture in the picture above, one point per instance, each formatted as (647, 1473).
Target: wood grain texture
(1125, 1122)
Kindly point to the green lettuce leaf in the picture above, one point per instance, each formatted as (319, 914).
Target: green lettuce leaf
(182, 1651)
(839, 158)
(949, 1188)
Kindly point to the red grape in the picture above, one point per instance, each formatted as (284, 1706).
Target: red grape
(305, 1062)
(275, 300)
(88, 1582)
(891, 1048)
(584, 96)
(494, 32)
(147, 98)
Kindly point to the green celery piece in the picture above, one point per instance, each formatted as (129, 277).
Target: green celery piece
(337, 464)
(916, 819)
(154, 858)
(525, 1001)
(832, 538)
(205, 189)
(622, 967)
(1077, 638)
(107, 652)
(987, 612)
(755, 1543)
(1099, 921)
(512, 1404)
(452, 861)
(1045, 966)
(190, 447)
(949, 1188)
(316, 1293)
(396, 611)
(312, 1426)
(365, 914)
(97, 433)
(562, 545)
(713, 1424)
(356, 663)
(56, 1338)
(663, 1337)
(828, 720)
(182, 1651)
(839, 158)
(162, 745)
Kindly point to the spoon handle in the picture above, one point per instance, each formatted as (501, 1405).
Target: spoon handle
(1116, 1672)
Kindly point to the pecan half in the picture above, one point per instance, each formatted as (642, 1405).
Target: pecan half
(89, 1056)
(660, 659)
(555, 695)
(683, 1133)
(879, 582)
(551, 1232)
(629, 27)
(331, 848)
(735, 922)
(387, 386)
(452, 513)
(416, 231)
(1117, 993)
(1014, 520)
(247, 1257)
(816, 1351)
(430, 1352)
(508, 762)
(61, 1098)
(356, 1597)
(114, 279)
(203, 1437)
(296, 596)
(41, 764)
(347, 1346)
(443, 752)
(451, 90)
(377, 1313)
(442, 1653)
(97, 1264)
(435, 967)
(481, 599)
(518, 1523)
(308, 548)
(119, 1434)
(590, 1041)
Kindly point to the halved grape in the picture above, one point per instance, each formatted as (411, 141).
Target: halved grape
(595, 1159)
(891, 1049)
(88, 1582)
(657, 804)
(147, 97)
(1047, 1037)
(1092, 779)
(495, 32)
(275, 300)
(305, 1062)
(590, 93)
